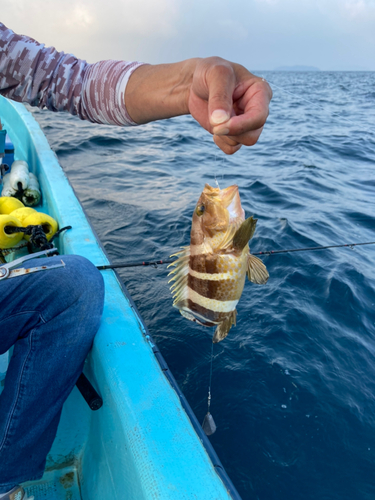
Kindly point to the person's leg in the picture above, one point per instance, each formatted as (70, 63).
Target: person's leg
(51, 318)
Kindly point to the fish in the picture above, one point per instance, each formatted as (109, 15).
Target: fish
(210, 273)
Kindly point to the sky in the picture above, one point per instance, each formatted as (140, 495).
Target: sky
(260, 34)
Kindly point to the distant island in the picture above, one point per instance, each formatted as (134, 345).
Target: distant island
(296, 68)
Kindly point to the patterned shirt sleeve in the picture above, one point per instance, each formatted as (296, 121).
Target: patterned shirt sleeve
(44, 77)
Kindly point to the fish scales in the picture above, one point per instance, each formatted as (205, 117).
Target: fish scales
(209, 275)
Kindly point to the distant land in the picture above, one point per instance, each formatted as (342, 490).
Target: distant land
(296, 68)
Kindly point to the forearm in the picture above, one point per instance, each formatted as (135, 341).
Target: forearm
(223, 97)
(155, 92)
(44, 77)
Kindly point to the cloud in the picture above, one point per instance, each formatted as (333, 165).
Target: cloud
(92, 27)
(147, 17)
(80, 17)
(359, 8)
(261, 34)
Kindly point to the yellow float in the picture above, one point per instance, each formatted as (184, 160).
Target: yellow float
(9, 240)
(8, 204)
(48, 224)
(22, 213)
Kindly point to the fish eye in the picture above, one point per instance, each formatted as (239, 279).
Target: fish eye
(199, 210)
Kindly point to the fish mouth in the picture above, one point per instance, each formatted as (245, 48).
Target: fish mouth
(230, 197)
(228, 194)
(225, 195)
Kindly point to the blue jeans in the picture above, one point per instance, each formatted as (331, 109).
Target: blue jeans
(51, 318)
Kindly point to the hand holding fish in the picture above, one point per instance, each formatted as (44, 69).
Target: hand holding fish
(224, 97)
(230, 102)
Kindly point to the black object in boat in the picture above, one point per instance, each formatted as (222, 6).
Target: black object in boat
(88, 392)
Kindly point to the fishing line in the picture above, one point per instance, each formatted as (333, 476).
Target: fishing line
(156, 263)
(217, 184)
(208, 424)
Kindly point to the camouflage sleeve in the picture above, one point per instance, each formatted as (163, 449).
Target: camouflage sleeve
(43, 77)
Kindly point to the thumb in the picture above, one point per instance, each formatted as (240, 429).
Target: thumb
(221, 84)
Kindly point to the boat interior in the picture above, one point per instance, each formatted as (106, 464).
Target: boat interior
(144, 442)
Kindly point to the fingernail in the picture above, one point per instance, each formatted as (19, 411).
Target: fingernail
(221, 131)
(219, 116)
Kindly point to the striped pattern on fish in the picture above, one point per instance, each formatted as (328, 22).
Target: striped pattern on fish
(209, 275)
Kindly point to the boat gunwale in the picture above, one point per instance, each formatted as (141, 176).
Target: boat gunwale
(218, 466)
(26, 117)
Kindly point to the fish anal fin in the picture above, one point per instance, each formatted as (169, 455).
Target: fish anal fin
(244, 233)
(223, 328)
(186, 314)
(192, 316)
(256, 270)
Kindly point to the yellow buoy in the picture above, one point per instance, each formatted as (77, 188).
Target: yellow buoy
(22, 213)
(8, 204)
(48, 224)
(9, 240)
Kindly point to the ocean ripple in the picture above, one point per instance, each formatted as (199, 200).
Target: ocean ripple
(294, 383)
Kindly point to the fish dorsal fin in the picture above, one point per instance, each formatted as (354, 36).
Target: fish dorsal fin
(223, 328)
(244, 233)
(256, 270)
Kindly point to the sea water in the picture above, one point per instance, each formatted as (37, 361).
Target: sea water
(293, 387)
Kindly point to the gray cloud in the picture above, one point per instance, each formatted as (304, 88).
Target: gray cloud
(261, 34)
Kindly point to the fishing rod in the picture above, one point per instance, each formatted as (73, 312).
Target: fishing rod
(156, 263)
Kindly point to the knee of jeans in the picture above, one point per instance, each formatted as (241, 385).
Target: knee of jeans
(80, 282)
(85, 276)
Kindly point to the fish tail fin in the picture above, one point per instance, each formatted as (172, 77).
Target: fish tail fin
(256, 270)
(223, 328)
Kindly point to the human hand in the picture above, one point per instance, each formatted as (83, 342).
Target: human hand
(224, 97)
(230, 102)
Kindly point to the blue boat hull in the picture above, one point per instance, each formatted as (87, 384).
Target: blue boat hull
(144, 443)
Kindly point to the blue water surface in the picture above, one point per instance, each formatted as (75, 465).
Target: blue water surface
(293, 389)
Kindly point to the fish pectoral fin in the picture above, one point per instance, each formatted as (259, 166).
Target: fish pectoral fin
(244, 233)
(223, 329)
(256, 270)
